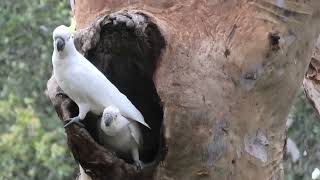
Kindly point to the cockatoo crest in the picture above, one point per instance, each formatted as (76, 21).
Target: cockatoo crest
(72, 27)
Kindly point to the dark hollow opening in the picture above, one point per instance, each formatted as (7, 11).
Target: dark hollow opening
(274, 39)
(128, 58)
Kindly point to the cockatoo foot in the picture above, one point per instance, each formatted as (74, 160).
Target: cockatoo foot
(139, 165)
(74, 120)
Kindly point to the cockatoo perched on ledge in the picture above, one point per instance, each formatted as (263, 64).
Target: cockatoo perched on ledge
(121, 135)
(84, 83)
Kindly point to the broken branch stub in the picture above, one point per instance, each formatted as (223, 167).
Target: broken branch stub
(125, 47)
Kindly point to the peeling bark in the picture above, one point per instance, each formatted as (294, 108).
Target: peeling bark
(226, 79)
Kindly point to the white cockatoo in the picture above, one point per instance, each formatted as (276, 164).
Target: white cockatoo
(84, 83)
(121, 135)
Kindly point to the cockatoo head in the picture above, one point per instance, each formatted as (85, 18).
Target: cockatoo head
(63, 38)
(109, 115)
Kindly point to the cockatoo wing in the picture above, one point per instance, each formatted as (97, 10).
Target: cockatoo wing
(105, 93)
(135, 133)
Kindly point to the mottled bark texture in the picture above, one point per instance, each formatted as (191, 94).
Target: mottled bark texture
(311, 82)
(226, 77)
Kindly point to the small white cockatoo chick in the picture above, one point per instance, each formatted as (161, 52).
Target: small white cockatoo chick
(84, 83)
(120, 134)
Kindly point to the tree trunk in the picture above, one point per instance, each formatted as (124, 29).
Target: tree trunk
(214, 79)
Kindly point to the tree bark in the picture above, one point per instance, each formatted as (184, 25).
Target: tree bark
(312, 79)
(226, 73)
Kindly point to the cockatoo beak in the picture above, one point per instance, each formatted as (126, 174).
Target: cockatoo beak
(60, 44)
(108, 119)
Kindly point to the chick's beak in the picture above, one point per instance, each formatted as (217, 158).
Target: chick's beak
(108, 120)
(60, 44)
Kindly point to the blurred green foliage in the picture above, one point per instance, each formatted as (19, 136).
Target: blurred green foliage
(305, 132)
(27, 149)
(32, 141)
(26, 45)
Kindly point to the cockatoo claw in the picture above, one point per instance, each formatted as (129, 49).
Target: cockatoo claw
(139, 166)
(74, 120)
